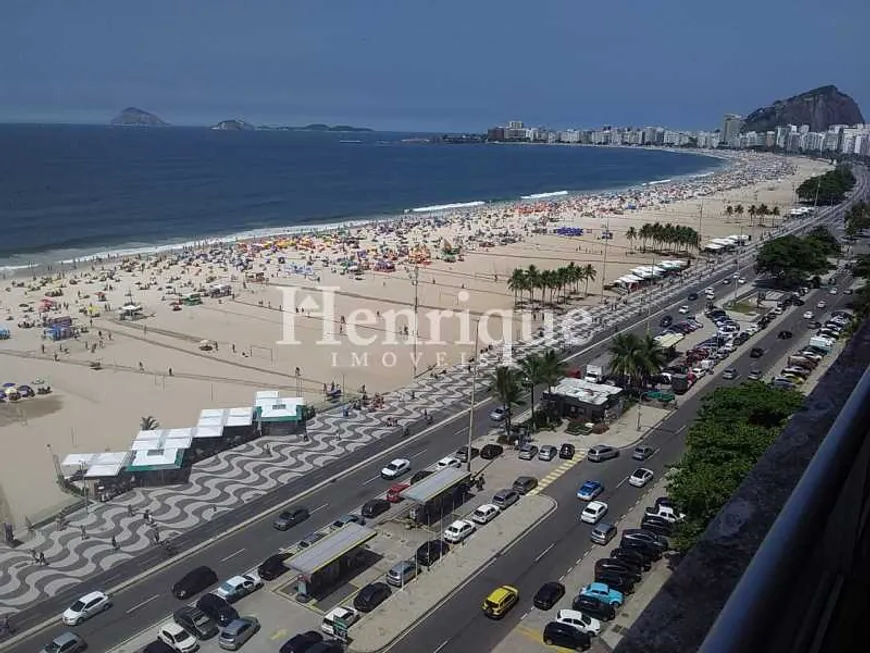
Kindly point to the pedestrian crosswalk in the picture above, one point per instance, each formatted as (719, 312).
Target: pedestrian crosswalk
(559, 471)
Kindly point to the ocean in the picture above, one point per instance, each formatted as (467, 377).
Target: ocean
(71, 191)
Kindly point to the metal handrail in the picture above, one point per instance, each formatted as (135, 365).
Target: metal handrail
(756, 602)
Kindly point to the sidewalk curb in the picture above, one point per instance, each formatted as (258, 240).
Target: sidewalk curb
(449, 596)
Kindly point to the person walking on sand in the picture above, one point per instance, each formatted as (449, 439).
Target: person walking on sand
(115, 544)
(42, 559)
(84, 532)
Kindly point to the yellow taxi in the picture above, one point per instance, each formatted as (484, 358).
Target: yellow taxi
(500, 601)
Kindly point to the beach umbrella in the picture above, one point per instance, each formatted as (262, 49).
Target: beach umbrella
(9, 385)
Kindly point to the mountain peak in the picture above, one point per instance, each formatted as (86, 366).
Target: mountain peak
(819, 108)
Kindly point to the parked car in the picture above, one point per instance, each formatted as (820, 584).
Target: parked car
(234, 635)
(618, 567)
(692, 296)
(291, 517)
(327, 646)
(593, 512)
(604, 593)
(755, 374)
(669, 513)
(419, 476)
(448, 461)
(602, 533)
(505, 498)
(640, 477)
(395, 468)
(589, 490)
(374, 507)
(86, 607)
(615, 582)
(459, 530)
(528, 452)
(462, 453)
(348, 519)
(548, 595)
(632, 557)
(594, 607)
(490, 451)
(657, 525)
(430, 552)
(683, 310)
(371, 596)
(500, 601)
(601, 452)
(580, 621)
(217, 608)
(639, 534)
(547, 453)
(808, 315)
(642, 452)
(525, 484)
(238, 587)
(498, 414)
(394, 494)
(402, 572)
(567, 451)
(157, 646)
(311, 538)
(485, 513)
(566, 635)
(347, 616)
(173, 635)
(195, 621)
(193, 582)
(784, 335)
(272, 567)
(302, 642)
(65, 643)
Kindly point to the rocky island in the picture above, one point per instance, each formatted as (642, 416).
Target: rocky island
(133, 117)
(233, 125)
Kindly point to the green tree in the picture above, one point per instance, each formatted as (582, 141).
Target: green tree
(553, 369)
(791, 259)
(148, 423)
(634, 358)
(507, 390)
(588, 273)
(517, 283)
(532, 370)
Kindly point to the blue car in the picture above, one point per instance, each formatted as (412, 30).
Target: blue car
(603, 593)
(589, 490)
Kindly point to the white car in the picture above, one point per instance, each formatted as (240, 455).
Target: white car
(458, 531)
(86, 607)
(348, 616)
(593, 512)
(485, 513)
(579, 620)
(741, 280)
(640, 477)
(498, 414)
(822, 304)
(448, 461)
(808, 315)
(752, 329)
(177, 637)
(833, 291)
(776, 310)
(238, 587)
(396, 468)
(683, 310)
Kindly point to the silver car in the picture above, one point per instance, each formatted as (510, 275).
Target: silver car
(237, 632)
(601, 452)
(528, 452)
(65, 643)
(402, 572)
(548, 452)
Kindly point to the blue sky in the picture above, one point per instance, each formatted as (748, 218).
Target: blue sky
(439, 65)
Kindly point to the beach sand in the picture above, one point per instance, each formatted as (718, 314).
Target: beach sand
(100, 410)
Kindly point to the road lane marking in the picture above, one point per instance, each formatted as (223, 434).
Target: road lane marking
(619, 485)
(544, 552)
(419, 453)
(311, 512)
(145, 602)
(681, 429)
(441, 646)
(371, 480)
(233, 555)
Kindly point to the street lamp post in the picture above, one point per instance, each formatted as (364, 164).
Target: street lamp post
(473, 388)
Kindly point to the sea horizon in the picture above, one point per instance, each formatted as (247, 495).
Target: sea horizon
(81, 220)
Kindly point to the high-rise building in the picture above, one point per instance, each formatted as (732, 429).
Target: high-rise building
(731, 126)
(516, 124)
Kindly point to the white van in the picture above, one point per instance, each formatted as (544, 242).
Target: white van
(346, 615)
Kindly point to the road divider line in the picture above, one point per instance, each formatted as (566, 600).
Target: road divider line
(311, 512)
(145, 602)
(545, 552)
(441, 646)
(419, 453)
(371, 480)
(233, 555)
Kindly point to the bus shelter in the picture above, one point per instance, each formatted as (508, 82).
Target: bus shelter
(438, 494)
(324, 564)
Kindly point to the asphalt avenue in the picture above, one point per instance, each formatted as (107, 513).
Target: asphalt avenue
(148, 600)
(545, 553)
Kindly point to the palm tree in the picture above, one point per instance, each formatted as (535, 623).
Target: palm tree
(729, 210)
(635, 359)
(739, 210)
(553, 369)
(653, 358)
(533, 279)
(752, 211)
(532, 370)
(763, 211)
(506, 388)
(631, 236)
(148, 423)
(517, 283)
(589, 274)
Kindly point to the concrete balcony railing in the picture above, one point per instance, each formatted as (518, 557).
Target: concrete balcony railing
(785, 566)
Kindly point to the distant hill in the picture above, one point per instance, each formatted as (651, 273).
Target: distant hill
(233, 125)
(819, 108)
(133, 117)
